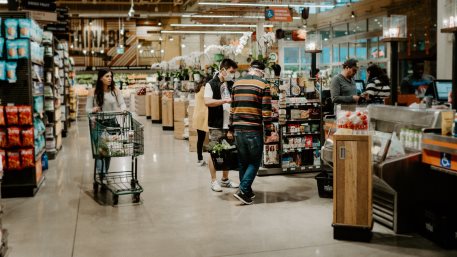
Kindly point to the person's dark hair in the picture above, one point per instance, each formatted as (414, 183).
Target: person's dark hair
(277, 69)
(199, 86)
(227, 64)
(378, 73)
(350, 63)
(258, 65)
(99, 92)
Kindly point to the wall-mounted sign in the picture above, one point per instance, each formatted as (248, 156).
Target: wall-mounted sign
(280, 14)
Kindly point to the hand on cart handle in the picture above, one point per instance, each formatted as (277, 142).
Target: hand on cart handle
(96, 109)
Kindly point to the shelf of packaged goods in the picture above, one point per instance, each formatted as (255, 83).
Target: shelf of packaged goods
(38, 62)
(292, 134)
(300, 149)
(301, 120)
(302, 104)
(306, 168)
(38, 94)
(40, 153)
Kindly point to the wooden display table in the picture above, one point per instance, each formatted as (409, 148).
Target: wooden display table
(156, 107)
(167, 110)
(352, 187)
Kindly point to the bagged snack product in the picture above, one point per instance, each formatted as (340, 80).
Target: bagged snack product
(27, 158)
(22, 48)
(28, 137)
(3, 158)
(24, 28)
(2, 43)
(14, 162)
(3, 142)
(2, 115)
(11, 49)
(11, 28)
(12, 117)
(14, 138)
(2, 70)
(25, 115)
(11, 72)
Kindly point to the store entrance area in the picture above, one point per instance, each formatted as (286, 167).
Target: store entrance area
(179, 215)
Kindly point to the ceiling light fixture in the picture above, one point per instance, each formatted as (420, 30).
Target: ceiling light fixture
(152, 51)
(221, 25)
(160, 23)
(139, 46)
(131, 11)
(201, 32)
(171, 38)
(268, 4)
(228, 16)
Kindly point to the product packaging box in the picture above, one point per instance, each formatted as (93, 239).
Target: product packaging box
(180, 110)
(179, 130)
(140, 105)
(167, 111)
(156, 107)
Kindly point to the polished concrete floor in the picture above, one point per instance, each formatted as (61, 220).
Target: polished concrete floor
(179, 215)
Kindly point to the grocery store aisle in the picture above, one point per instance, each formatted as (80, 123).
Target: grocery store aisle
(180, 215)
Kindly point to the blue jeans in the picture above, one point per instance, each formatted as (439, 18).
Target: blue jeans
(102, 165)
(250, 149)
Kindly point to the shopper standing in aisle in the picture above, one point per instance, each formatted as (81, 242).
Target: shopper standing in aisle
(217, 98)
(249, 116)
(417, 83)
(342, 88)
(377, 85)
(105, 97)
(200, 121)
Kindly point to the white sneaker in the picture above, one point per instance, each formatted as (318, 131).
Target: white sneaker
(216, 187)
(230, 184)
(201, 163)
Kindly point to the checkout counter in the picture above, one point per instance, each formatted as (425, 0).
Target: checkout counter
(401, 184)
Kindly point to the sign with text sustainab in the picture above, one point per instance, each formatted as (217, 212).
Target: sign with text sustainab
(280, 14)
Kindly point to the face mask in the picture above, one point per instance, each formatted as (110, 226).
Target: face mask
(228, 77)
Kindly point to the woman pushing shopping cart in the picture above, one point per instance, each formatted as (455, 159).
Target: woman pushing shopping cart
(113, 133)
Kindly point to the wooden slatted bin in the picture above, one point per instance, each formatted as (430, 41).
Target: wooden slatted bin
(156, 107)
(352, 187)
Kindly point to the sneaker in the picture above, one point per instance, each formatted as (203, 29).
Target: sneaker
(228, 183)
(251, 195)
(244, 198)
(216, 187)
(201, 163)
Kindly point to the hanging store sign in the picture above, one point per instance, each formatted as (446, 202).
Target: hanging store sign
(279, 14)
(44, 5)
(44, 16)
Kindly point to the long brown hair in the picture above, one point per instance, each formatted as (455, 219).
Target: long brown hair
(199, 86)
(99, 92)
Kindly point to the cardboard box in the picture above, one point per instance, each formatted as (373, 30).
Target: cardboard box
(179, 130)
(167, 111)
(193, 143)
(148, 105)
(140, 105)
(156, 106)
(180, 110)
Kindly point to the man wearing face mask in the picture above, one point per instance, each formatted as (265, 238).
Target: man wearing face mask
(250, 115)
(217, 98)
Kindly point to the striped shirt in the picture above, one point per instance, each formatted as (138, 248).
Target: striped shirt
(376, 88)
(251, 104)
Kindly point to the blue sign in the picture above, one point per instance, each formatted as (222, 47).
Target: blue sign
(445, 161)
(269, 13)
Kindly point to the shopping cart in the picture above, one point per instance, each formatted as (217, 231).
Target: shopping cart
(116, 134)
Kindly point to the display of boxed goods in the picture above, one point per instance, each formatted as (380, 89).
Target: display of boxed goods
(180, 109)
(167, 109)
(179, 130)
(271, 156)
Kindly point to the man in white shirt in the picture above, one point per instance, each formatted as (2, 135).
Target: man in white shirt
(217, 98)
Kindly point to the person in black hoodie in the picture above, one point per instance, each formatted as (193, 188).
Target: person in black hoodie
(217, 98)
